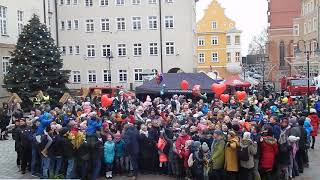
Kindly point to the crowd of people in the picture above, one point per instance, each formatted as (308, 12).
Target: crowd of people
(264, 138)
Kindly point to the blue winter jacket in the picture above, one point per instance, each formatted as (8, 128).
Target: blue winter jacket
(109, 151)
(93, 125)
(45, 119)
(119, 148)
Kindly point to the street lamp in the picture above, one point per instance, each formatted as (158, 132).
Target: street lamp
(298, 54)
(109, 56)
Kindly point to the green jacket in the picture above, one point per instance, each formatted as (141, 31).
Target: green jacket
(217, 154)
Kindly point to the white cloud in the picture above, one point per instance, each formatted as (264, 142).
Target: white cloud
(250, 16)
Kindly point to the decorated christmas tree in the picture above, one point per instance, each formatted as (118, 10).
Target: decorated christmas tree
(36, 64)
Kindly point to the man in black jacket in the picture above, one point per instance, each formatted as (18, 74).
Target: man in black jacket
(25, 138)
(301, 154)
(15, 133)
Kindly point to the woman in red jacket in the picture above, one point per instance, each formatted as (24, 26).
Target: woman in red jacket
(315, 125)
(269, 150)
(182, 150)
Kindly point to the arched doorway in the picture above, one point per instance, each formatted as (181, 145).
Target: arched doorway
(175, 70)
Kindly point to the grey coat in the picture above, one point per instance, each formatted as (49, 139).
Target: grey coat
(252, 150)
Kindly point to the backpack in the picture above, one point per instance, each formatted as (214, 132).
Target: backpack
(243, 154)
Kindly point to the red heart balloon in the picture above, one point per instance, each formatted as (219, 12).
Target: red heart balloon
(184, 85)
(106, 101)
(218, 88)
(225, 98)
(241, 95)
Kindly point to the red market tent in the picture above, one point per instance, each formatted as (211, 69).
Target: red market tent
(236, 81)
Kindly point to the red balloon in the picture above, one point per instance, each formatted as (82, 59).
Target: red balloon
(196, 90)
(225, 98)
(184, 85)
(218, 89)
(241, 95)
(106, 101)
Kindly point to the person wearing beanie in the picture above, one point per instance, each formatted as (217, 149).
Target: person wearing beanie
(269, 150)
(109, 154)
(301, 156)
(217, 155)
(246, 152)
(206, 159)
(315, 125)
(25, 135)
(68, 152)
(275, 127)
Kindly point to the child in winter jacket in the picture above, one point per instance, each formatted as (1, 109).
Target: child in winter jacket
(109, 153)
(119, 153)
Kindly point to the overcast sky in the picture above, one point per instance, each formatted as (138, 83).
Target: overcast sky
(250, 16)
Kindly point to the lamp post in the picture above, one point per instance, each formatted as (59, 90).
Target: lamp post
(109, 57)
(307, 53)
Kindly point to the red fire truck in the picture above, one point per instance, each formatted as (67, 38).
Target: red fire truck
(297, 86)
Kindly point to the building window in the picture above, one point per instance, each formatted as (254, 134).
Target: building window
(91, 52)
(106, 75)
(76, 77)
(214, 25)
(237, 40)
(201, 58)
(137, 49)
(106, 50)
(69, 25)
(3, 20)
(136, 2)
(122, 50)
(169, 48)
(76, 24)
(282, 54)
(136, 23)
(104, 2)
(5, 65)
(305, 28)
(296, 30)
(153, 22)
(70, 50)
(89, 25)
(121, 24)
(314, 24)
(105, 24)
(237, 56)
(62, 25)
(138, 75)
(92, 76)
(75, 2)
(169, 1)
(88, 2)
(20, 21)
(228, 57)
(169, 22)
(63, 50)
(215, 57)
(61, 2)
(120, 2)
(200, 41)
(228, 40)
(152, 1)
(123, 75)
(77, 49)
(68, 2)
(214, 40)
(153, 49)
(309, 26)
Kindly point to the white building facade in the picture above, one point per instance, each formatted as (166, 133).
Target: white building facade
(14, 14)
(132, 32)
(234, 57)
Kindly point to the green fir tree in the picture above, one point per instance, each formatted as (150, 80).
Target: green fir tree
(36, 64)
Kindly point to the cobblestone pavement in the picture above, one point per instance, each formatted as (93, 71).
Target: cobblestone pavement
(9, 170)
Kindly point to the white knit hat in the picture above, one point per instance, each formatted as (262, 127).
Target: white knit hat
(246, 135)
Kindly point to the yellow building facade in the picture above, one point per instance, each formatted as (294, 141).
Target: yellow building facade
(214, 39)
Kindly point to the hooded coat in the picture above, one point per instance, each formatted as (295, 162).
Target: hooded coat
(315, 124)
(269, 150)
(231, 155)
(252, 150)
(109, 152)
(217, 154)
